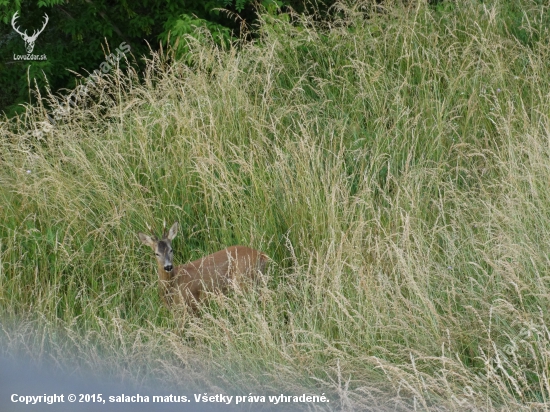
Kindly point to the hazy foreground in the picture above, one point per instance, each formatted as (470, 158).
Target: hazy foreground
(395, 169)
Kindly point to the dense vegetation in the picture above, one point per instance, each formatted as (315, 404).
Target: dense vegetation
(393, 164)
(78, 33)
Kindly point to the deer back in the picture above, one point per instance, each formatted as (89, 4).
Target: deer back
(235, 265)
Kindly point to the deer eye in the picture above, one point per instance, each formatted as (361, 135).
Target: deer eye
(158, 254)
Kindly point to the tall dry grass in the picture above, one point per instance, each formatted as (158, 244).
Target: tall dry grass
(395, 167)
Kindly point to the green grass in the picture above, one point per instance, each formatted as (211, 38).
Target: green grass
(394, 166)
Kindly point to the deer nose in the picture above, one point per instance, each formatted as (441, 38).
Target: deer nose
(168, 268)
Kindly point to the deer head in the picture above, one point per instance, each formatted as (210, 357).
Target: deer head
(29, 40)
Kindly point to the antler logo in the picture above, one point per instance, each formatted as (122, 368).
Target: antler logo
(29, 40)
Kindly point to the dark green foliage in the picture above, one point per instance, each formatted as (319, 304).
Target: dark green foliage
(81, 33)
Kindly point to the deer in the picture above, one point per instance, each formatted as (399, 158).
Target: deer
(186, 285)
(29, 40)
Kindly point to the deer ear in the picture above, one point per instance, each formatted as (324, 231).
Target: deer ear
(146, 240)
(173, 231)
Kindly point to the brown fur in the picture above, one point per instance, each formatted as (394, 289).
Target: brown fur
(187, 284)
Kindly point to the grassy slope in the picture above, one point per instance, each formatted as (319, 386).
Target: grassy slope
(396, 170)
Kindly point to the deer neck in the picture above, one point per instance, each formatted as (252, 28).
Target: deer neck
(164, 275)
(165, 283)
